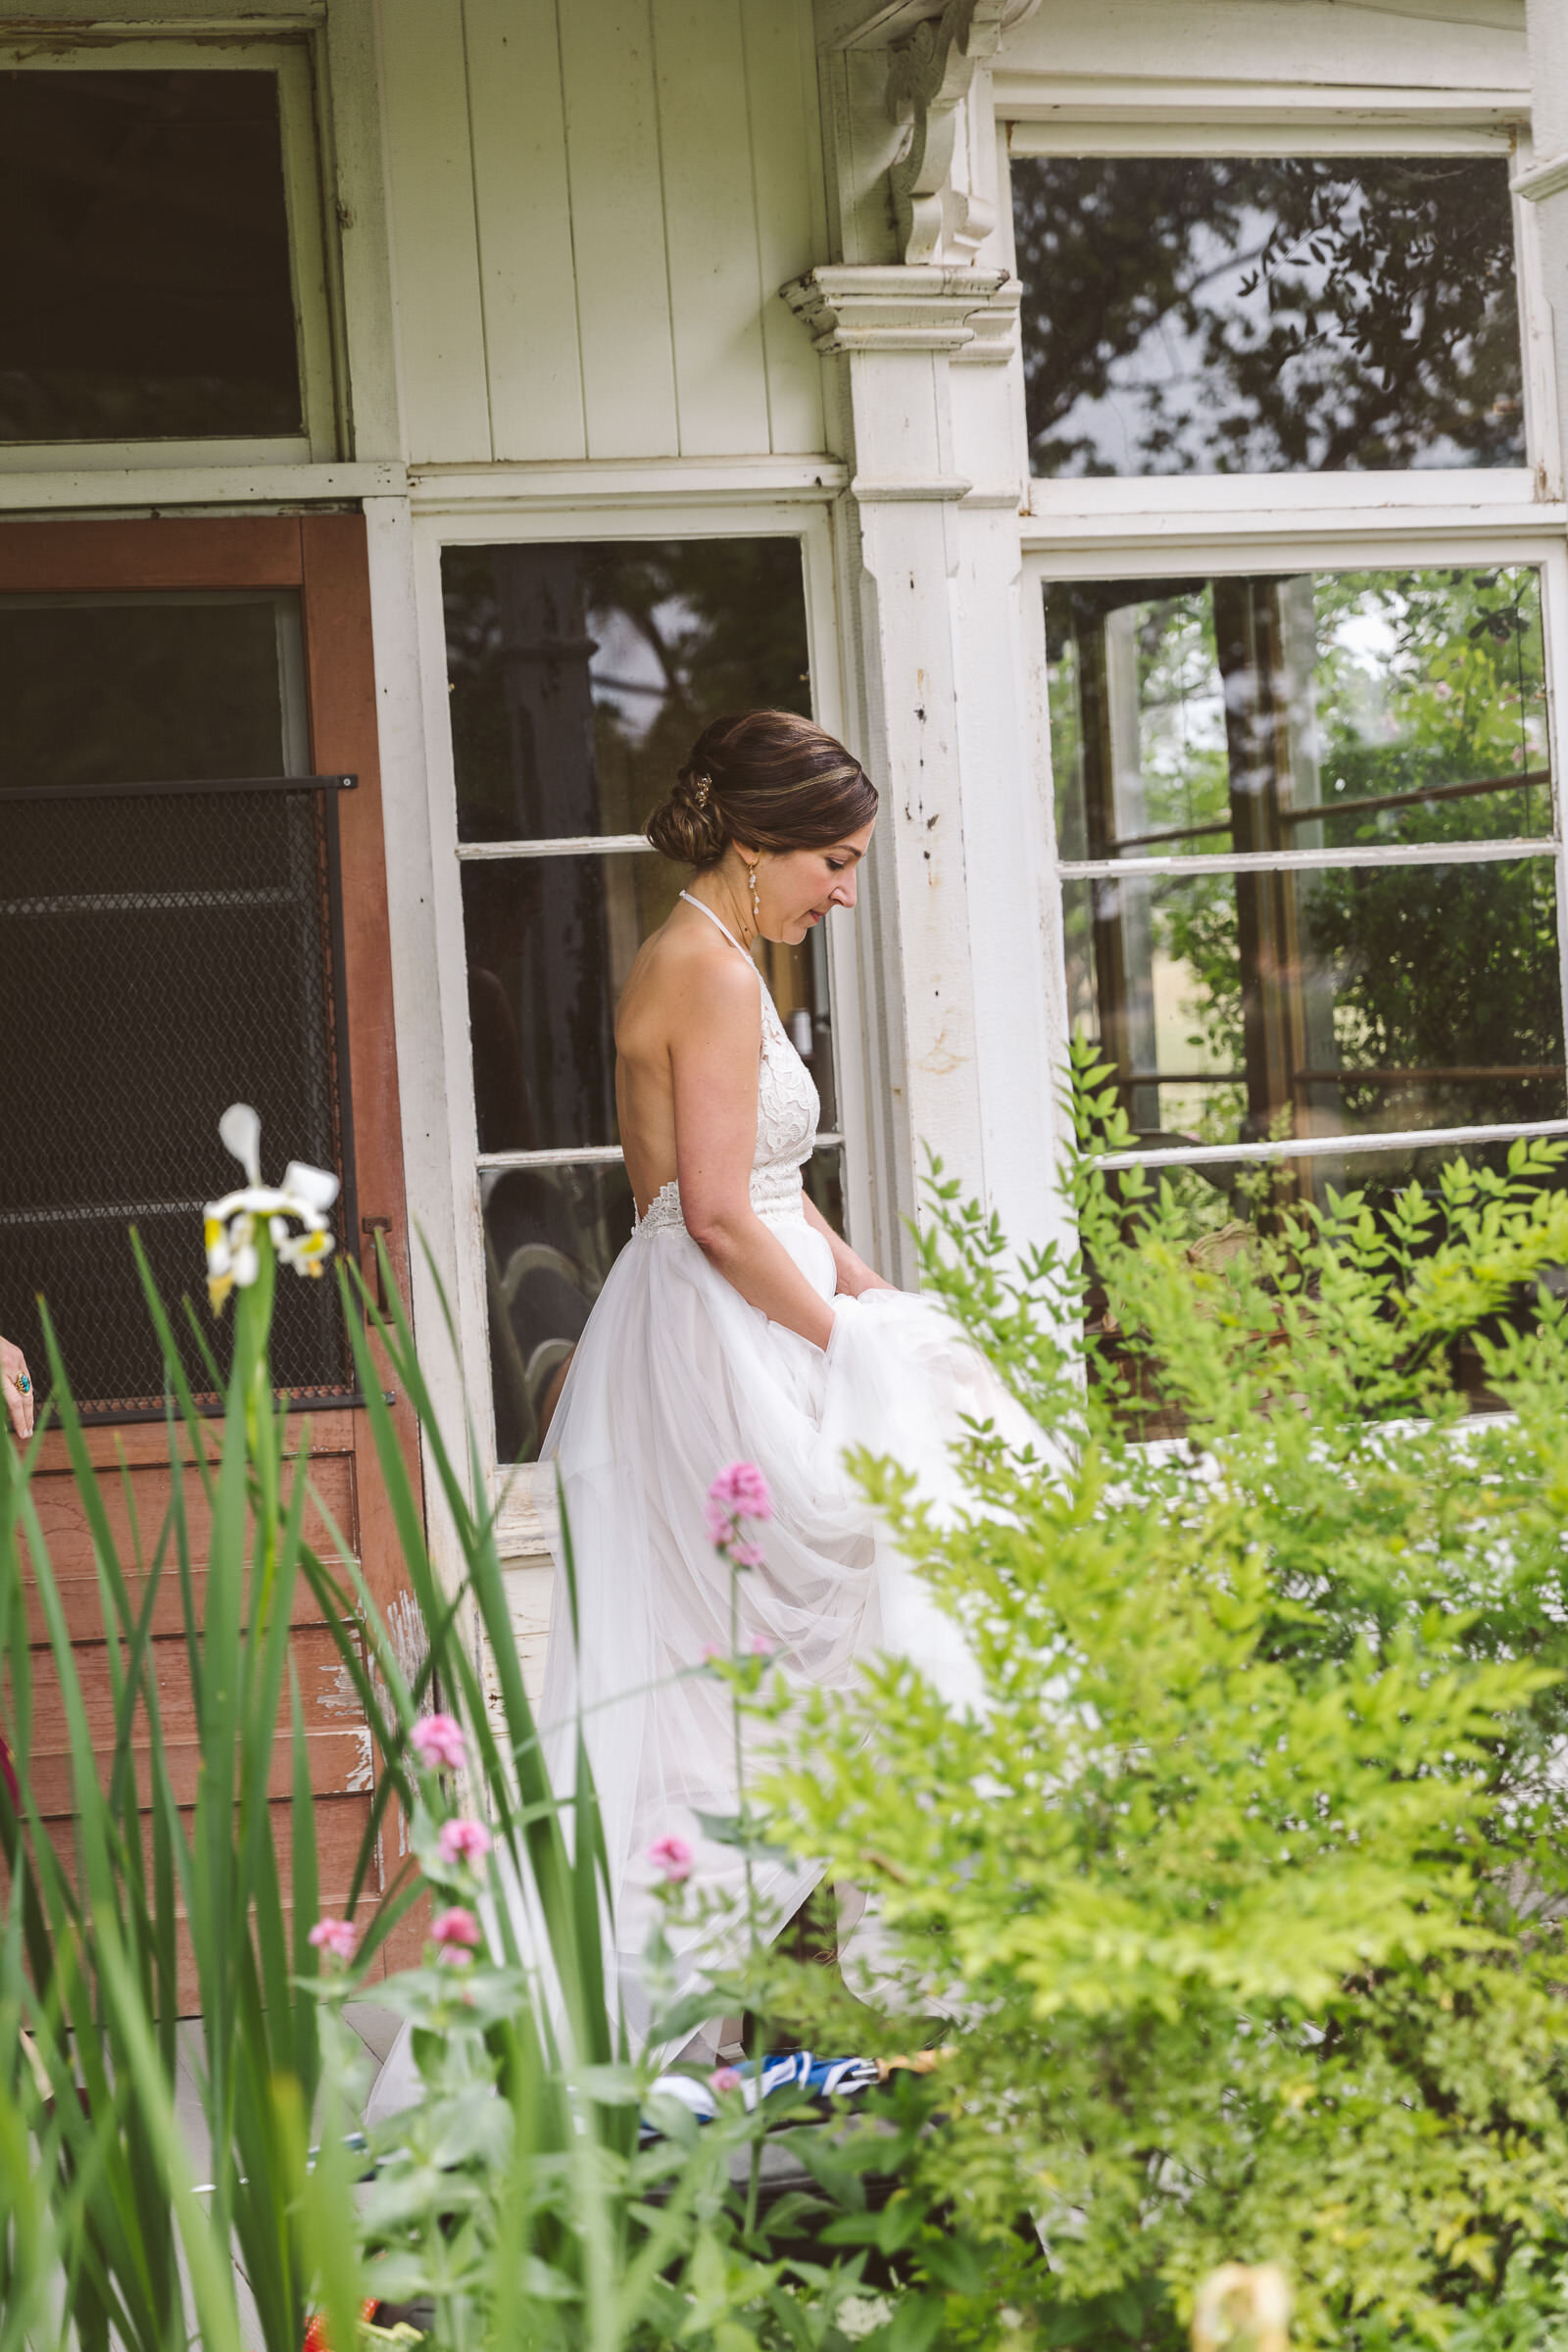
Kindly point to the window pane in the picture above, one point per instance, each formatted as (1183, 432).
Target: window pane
(1268, 315)
(551, 1236)
(550, 943)
(581, 676)
(1322, 711)
(144, 263)
(181, 687)
(1239, 1008)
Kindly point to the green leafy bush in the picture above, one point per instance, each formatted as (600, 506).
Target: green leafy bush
(1245, 1893)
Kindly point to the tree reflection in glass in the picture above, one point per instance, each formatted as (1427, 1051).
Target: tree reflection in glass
(1276, 313)
(1267, 716)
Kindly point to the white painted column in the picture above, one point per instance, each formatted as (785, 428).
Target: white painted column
(952, 938)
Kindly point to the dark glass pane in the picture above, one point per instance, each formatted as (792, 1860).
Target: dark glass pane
(1284, 313)
(142, 688)
(1194, 718)
(550, 943)
(144, 261)
(550, 1236)
(1242, 1007)
(581, 675)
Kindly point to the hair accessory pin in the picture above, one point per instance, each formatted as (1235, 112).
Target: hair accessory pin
(700, 792)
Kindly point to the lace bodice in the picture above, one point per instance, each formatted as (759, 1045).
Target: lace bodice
(787, 1113)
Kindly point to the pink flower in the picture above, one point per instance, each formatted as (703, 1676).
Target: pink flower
(738, 1493)
(465, 1841)
(724, 2078)
(339, 1936)
(745, 1555)
(760, 1646)
(456, 1931)
(673, 1856)
(439, 1741)
(712, 1653)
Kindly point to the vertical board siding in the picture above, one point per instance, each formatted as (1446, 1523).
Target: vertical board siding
(792, 228)
(435, 247)
(629, 362)
(593, 206)
(711, 228)
(521, 198)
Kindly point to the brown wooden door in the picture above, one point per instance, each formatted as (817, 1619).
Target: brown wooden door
(140, 571)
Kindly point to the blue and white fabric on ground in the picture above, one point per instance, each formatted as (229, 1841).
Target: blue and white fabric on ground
(816, 2078)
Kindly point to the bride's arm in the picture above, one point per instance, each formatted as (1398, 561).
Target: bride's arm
(855, 1275)
(714, 1044)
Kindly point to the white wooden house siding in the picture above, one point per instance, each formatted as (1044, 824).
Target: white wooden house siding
(592, 209)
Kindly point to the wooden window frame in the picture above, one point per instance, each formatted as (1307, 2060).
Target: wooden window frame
(288, 57)
(1141, 526)
(322, 558)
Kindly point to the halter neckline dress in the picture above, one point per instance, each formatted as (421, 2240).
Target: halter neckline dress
(675, 1377)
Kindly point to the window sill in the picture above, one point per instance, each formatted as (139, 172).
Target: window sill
(162, 484)
(1248, 507)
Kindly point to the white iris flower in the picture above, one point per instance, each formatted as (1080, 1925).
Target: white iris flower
(304, 1195)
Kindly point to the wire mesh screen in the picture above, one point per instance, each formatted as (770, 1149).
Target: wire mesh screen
(161, 957)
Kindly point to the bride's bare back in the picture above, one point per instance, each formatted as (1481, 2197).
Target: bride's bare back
(689, 996)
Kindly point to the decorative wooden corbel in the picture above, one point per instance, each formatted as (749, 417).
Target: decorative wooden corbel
(929, 79)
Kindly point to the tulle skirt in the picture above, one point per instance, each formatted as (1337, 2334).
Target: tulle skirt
(675, 1378)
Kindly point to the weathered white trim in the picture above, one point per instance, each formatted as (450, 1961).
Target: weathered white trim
(1329, 1146)
(1537, 181)
(1103, 115)
(560, 845)
(907, 489)
(162, 487)
(428, 1112)
(1286, 862)
(942, 212)
(896, 307)
(623, 484)
(1309, 525)
(601, 1155)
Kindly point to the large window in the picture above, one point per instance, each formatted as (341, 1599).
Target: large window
(1248, 315)
(580, 675)
(162, 270)
(1303, 734)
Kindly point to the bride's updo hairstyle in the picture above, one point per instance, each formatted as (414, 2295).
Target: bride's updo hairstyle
(768, 780)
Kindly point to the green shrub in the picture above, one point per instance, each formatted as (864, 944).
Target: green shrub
(1245, 1893)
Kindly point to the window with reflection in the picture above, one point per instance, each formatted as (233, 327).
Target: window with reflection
(1277, 314)
(1213, 740)
(145, 282)
(581, 675)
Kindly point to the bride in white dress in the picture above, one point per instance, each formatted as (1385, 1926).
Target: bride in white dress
(736, 1326)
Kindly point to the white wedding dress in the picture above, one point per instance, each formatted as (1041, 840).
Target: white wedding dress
(675, 1378)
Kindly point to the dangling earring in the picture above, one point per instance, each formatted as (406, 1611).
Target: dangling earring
(757, 904)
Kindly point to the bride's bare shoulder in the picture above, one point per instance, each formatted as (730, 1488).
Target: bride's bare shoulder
(680, 976)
